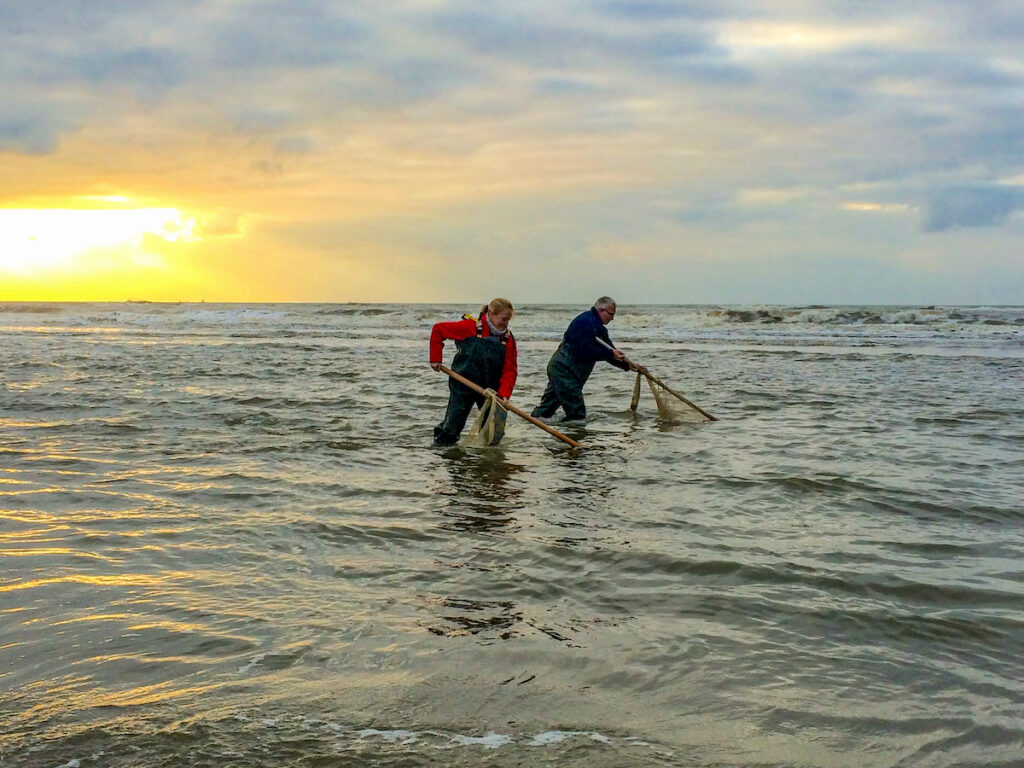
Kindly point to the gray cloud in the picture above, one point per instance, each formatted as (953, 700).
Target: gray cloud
(644, 37)
(646, 11)
(147, 68)
(970, 207)
(69, 16)
(25, 134)
(298, 34)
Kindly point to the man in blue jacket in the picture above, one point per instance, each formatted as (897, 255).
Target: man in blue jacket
(573, 361)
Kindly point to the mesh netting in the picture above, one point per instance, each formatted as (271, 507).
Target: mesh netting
(489, 427)
(673, 407)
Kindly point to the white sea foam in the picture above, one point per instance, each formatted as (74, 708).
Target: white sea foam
(549, 737)
(488, 740)
(432, 738)
(397, 736)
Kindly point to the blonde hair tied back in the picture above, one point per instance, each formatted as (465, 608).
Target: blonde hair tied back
(497, 306)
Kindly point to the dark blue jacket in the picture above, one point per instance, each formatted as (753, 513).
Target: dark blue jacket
(579, 351)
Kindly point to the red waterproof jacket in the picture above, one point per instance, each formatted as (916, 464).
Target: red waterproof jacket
(458, 330)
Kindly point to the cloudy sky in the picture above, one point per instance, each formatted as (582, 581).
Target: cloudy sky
(757, 151)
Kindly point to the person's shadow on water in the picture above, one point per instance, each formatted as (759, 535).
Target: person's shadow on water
(480, 497)
(482, 493)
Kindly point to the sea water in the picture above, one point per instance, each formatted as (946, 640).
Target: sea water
(225, 540)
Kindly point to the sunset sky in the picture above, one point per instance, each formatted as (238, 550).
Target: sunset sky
(757, 151)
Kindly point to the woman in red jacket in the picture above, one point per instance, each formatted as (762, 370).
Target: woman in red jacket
(486, 355)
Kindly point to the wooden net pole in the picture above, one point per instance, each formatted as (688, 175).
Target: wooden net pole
(661, 384)
(536, 422)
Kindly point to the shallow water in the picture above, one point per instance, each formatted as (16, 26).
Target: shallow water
(225, 540)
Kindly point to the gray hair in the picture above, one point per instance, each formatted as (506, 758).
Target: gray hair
(604, 302)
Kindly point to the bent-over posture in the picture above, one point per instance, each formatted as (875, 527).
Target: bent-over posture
(486, 355)
(573, 362)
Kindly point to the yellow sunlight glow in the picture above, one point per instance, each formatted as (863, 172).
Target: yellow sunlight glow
(34, 240)
(752, 37)
(860, 205)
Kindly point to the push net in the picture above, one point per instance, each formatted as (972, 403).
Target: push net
(673, 407)
(489, 426)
